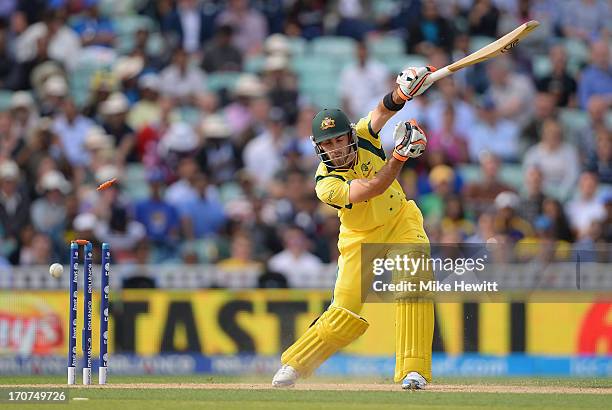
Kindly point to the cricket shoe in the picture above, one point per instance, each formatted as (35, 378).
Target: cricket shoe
(413, 381)
(285, 377)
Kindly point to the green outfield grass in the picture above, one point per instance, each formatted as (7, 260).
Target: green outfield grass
(175, 398)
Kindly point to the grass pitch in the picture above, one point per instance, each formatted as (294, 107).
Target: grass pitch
(211, 392)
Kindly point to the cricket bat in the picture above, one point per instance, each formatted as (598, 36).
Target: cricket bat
(499, 46)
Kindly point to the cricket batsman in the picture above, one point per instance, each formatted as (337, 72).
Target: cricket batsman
(356, 178)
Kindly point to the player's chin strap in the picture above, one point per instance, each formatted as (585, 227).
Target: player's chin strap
(347, 158)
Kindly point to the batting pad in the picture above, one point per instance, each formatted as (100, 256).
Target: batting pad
(335, 329)
(414, 324)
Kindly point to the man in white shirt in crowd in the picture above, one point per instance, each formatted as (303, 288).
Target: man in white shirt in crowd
(493, 134)
(269, 146)
(356, 100)
(512, 93)
(586, 208)
(558, 160)
(300, 267)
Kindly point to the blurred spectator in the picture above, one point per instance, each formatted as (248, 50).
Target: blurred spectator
(478, 195)
(160, 219)
(154, 57)
(455, 218)
(11, 141)
(37, 252)
(7, 61)
(542, 245)
(104, 202)
(93, 28)
(559, 82)
(63, 43)
(301, 138)
(592, 243)
(447, 139)
(585, 208)
(544, 109)
(282, 85)
(14, 201)
(429, 30)
(124, 233)
(202, 216)
(48, 213)
(483, 18)
(596, 79)
(532, 194)
(147, 110)
(441, 179)
(218, 157)
(306, 18)
(24, 113)
(268, 145)
(485, 229)
(190, 24)
(300, 267)
(586, 136)
(181, 80)
(72, 129)
(356, 99)
(114, 111)
(266, 239)
(42, 142)
(101, 151)
(179, 141)
(241, 255)
(249, 25)
(472, 79)
(101, 86)
(54, 91)
(83, 227)
(354, 21)
(126, 70)
(182, 190)
(507, 220)
(239, 113)
(464, 114)
(585, 19)
(557, 160)
(511, 92)
(220, 54)
(277, 45)
(600, 161)
(504, 145)
(553, 209)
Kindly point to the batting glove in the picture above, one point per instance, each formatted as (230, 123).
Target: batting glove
(411, 81)
(410, 140)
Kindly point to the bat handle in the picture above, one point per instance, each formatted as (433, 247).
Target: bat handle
(438, 75)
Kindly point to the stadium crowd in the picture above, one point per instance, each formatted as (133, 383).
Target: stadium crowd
(202, 110)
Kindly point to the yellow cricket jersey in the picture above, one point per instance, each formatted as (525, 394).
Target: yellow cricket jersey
(332, 185)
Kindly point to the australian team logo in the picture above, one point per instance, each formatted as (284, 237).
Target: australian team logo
(327, 123)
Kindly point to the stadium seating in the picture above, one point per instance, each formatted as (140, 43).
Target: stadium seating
(385, 47)
(333, 47)
(222, 80)
(5, 99)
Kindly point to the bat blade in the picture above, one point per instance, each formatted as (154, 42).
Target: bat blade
(499, 46)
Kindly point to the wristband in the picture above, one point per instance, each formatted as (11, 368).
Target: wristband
(403, 96)
(390, 104)
(399, 157)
